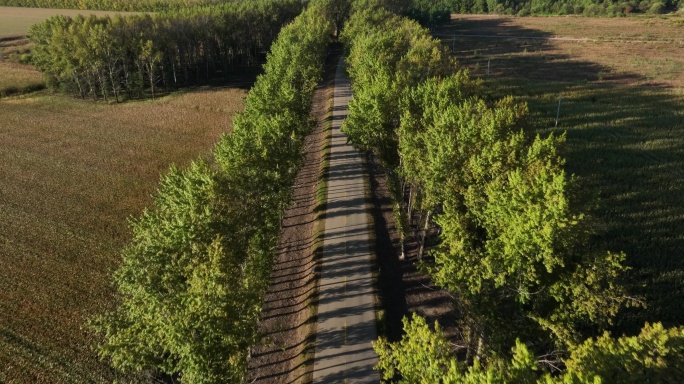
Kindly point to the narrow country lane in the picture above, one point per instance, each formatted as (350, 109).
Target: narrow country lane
(346, 314)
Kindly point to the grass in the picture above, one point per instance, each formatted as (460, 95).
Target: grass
(71, 173)
(15, 76)
(623, 111)
(635, 51)
(15, 21)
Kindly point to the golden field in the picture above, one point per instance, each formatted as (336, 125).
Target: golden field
(71, 173)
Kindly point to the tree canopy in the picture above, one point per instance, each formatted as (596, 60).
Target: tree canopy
(437, 11)
(193, 277)
(512, 244)
(134, 54)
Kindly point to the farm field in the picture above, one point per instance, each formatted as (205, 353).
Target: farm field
(17, 77)
(622, 86)
(71, 173)
(15, 21)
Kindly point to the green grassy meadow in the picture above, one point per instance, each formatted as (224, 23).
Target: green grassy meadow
(71, 173)
(623, 110)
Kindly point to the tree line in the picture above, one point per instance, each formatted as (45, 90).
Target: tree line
(535, 297)
(131, 56)
(192, 279)
(439, 10)
(112, 5)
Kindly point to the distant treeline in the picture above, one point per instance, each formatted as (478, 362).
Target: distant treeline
(111, 5)
(128, 55)
(430, 11)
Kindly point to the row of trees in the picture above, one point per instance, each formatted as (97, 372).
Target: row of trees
(111, 5)
(429, 10)
(424, 356)
(425, 10)
(192, 279)
(128, 55)
(513, 249)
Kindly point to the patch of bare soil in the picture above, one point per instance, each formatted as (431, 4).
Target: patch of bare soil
(285, 354)
(402, 288)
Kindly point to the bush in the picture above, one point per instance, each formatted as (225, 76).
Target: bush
(657, 9)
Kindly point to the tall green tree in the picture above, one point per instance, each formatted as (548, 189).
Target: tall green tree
(512, 248)
(423, 356)
(135, 53)
(186, 300)
(192, 279)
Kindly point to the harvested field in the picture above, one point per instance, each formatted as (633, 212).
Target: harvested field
(622, 86)
(17, 77)
(15, 21)
(635, 51)
(71, 173)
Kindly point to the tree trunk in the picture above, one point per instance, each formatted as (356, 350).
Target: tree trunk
(163, 72)
(103, 83)
(151, 75)
(480, 347)
(92, 89)
(127, 81)
(402, 233)
(173, 70)
(78, 83)
(114, 87)
(423, 236)
(410, 205)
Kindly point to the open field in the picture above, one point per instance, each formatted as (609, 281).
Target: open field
(622, 87)
(634, 51)
(71, 173)
(17, 77)
(15, 21)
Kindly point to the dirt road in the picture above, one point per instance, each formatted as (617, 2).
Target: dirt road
(346, 313)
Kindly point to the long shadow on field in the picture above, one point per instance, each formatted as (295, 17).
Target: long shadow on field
(491, 48)
(624, 141)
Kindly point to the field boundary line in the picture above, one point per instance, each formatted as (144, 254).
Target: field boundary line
(568, 39)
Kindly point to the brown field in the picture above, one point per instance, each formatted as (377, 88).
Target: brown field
(15, 76)
(15, 21)
(622, 86)
(71, 173)
(635, 50)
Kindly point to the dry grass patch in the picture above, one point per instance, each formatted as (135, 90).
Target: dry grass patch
(15, 21)
(71, 173)
(15, 76)
(634, 50)
(18, 79)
